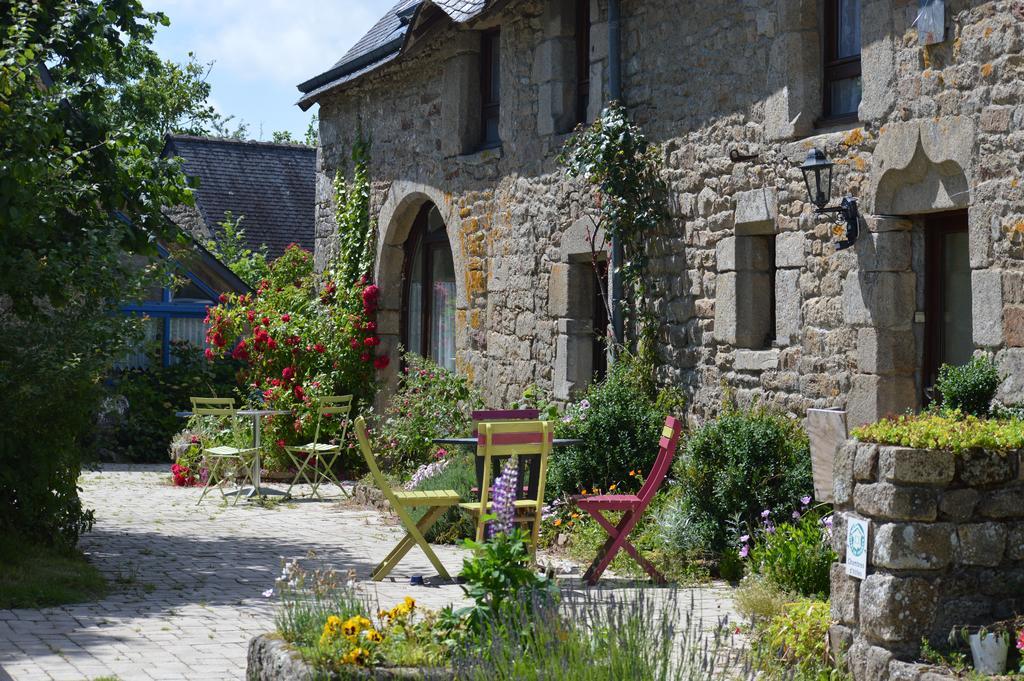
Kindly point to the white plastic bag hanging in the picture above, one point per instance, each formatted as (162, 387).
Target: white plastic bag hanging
(931, 22)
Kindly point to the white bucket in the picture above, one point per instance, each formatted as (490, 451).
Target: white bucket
(989, 653)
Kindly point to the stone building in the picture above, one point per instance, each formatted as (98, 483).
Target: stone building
(468, 103)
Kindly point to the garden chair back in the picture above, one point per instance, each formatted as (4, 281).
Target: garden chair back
(500, 440)
(317, 458)
(632, 507)
(223, 463)
(436, 503)
(529, 470)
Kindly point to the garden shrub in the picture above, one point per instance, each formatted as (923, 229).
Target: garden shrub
(948, 431)
(430, 402)
(300, 336)
(758, 600)
(619, 420)
(137, 421)
(968, 388)
(796, 557)
(794, 644)
(736, 466)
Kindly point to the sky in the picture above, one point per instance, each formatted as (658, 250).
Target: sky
(262, 49)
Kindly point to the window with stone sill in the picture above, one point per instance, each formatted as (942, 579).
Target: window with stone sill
(842, 73)
(490, 88)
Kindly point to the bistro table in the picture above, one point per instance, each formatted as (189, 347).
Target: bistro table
(257, 422)
(534, 477)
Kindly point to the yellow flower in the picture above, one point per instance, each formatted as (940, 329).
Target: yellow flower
(575, 516)
(354, 625)
(332, 628)
(558, 521)
(373, 636)
(611, 488)
(358, 656)
(410, 602)
(632, 473)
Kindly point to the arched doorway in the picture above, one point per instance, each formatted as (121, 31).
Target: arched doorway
(429, 289)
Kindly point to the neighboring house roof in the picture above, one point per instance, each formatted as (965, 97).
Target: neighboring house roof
(385, 41)
(272, 185)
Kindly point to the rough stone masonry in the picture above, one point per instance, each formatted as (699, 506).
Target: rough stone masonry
(747, 287)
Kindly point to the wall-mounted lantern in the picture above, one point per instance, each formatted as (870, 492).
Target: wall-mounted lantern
(817, 170)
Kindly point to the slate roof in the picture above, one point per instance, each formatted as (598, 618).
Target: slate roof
(272, 185)
(381, 44)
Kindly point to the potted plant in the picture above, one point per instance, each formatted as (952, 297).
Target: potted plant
(988, 648)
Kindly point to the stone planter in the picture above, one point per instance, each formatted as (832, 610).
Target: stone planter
(370, 496)
(271, 659)
(946, 549)
(989, 653)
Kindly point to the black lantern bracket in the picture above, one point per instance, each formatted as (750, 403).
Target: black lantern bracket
(817, 171)
(846, 212)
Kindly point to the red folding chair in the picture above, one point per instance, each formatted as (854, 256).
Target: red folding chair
(634, 506)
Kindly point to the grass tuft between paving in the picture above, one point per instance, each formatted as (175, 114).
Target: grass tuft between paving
(38, 576)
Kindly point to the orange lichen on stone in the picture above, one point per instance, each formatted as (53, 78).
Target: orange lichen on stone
(854, 137)
(464, 212)
(859, 163)
(476, 320)
(1017, 227)
(986, 70)
(476, 282)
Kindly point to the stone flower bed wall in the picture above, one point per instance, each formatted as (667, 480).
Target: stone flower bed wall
(271, 659)
(946, 548)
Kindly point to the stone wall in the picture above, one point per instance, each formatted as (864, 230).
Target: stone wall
(946, 549)
(939, 129)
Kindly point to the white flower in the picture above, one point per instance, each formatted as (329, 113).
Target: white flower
(268, 593)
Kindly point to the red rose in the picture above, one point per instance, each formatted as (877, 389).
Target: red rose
(354, 343)
(280, 444)
(370, 326)
(370, 341)
(268, 394)
(299, 393)
(365, 357)
(319, 347)
(250, 315)
(382, 362)
(276, 382)
(271, 343)
(218, 339)
(223, 298)
(266, 321)
(288, 373)
(209, 353)
(240, 352)
(286, 317)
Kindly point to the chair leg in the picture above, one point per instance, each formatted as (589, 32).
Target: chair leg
(327, 474)
(617, 539)
(413, 536)
(300, 466)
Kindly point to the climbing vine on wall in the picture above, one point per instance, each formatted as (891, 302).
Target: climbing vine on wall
(623, 169)
(355, 243)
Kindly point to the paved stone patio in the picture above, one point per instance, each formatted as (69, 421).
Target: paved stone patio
(187, 581)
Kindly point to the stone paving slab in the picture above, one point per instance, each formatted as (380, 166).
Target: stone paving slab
(187, 580)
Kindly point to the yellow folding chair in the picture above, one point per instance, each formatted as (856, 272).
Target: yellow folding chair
(318, 457)
(436, 503)
(224, 463)
(503, 439)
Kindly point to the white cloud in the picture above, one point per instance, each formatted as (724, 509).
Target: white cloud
(281, 41)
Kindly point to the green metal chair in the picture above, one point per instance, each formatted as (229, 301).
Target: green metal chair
(318, 457)
(224, 463)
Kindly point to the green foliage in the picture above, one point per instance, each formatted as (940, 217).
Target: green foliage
(82, 184)
(623, 169)
(307, 599)
(355, 243)
(969, 388)
(738, 465)
(37, 576)
(758, 599)
(794, 644)
(139, 427)
(795, 557)
(231, 249)
(458, 475)
(312, 138)
(300, 337)
(430, 402)
(619, 421)
(282, 137)
(497, 575)
(947, 431)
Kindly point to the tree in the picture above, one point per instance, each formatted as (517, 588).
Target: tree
(82, 186)
(282, 137)
(230, 248)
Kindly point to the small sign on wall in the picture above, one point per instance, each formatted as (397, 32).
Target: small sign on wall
(931, 22)
(856, 547)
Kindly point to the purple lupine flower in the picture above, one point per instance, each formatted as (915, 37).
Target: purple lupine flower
(504, 499)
